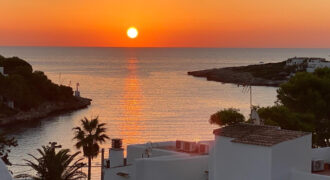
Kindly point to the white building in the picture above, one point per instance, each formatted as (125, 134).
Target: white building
(252, 152)
(303, 60)
(159, 161)
(242, 151)
(312, 66)
(295, 61)
(2, 71)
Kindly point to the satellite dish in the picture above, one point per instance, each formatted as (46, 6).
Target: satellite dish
(148, 150)
(255, 117)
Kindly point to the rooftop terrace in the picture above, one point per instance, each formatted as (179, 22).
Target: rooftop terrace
(258, 134)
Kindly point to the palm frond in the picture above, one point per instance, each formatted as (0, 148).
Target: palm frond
(59, 165)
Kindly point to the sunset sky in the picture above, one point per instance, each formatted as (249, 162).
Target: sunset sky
(166, 23)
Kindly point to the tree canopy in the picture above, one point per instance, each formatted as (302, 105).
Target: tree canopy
(227, 117)
(303, 104)
(15, 65)
(26, 88)
(55, 165)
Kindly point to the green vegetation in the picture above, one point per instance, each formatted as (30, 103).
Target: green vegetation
(279, 115)
(308, 94)
(88, 137)
(226, 117)
(61, 165)
(26, 88)
(54, 165)
(303, 104)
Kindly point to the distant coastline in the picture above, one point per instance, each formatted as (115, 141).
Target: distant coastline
(270, 74)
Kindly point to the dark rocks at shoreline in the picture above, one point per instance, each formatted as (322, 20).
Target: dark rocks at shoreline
(254, 75)
(45, 110)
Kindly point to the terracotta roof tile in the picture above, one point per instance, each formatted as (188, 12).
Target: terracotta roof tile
(258, 134)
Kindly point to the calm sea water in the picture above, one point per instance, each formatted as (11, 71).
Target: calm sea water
(143, 94)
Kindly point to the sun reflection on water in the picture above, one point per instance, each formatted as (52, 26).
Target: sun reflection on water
(131, 105)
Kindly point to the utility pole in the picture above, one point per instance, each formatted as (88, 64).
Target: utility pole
(102, 164)
(53, 145)
(251, 107)
(59, 79)
(250, 96)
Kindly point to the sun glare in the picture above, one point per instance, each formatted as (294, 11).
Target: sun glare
(132, 32)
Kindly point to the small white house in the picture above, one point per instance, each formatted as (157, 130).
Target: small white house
(295, 61)
(254, 152)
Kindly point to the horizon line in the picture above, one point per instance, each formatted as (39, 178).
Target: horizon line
(183, 47)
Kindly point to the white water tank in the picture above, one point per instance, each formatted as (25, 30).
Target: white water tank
(116, 153)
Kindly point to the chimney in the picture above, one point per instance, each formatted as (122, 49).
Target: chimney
(116, 153)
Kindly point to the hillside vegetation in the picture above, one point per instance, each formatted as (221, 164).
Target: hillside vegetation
(27, 88)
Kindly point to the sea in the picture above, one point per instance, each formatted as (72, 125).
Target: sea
(142, 94)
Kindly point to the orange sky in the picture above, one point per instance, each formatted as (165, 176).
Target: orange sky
(166, 23)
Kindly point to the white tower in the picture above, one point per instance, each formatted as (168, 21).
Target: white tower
(77, 92)
(116, 153)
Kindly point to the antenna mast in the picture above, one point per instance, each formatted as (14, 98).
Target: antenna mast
(59, 79)
(250, 96)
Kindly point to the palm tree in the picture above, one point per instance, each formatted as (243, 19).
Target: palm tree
(88, 137)
(54, 165)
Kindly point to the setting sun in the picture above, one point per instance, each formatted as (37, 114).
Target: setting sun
(132, 32)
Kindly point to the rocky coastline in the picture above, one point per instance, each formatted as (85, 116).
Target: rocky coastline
(45, 110)
(271, 74)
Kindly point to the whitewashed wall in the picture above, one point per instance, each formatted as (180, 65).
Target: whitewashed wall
(321, 153)
(294, 154)
(235, 161)
(136, 151)
(298, 175)
(212, 163)
(294, 62)
(312, 66)
(111, 173)
(4, 173)
(175, 167)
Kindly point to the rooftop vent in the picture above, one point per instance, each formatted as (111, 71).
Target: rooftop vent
(116, 143)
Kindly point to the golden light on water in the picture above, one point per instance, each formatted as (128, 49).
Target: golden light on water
(132, 32)
(131, 105)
